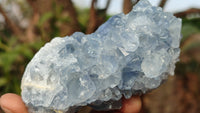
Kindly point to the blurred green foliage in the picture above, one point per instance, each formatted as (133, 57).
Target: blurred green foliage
(190, 26)
(190, 48)
(13, 58)
(83, 17)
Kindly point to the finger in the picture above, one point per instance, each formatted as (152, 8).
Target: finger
(132, 105)
(12, 103)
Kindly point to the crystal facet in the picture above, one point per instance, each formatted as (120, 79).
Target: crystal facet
(127, 55)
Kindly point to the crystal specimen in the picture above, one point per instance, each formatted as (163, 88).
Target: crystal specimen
(128, 54)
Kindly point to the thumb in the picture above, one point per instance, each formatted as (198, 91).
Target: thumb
(12, 103)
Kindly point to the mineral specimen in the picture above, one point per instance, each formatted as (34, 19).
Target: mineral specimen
(128, 54)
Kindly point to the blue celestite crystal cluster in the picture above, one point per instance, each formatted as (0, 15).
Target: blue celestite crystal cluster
(127, 55)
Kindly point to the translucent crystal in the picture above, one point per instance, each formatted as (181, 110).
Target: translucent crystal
(127, 55)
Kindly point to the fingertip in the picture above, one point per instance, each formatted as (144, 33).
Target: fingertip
(132, 105)
(12, 103)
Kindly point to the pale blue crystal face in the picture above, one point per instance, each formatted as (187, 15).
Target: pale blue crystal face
(128, 54)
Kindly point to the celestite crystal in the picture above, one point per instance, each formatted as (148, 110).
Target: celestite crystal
(127, 55)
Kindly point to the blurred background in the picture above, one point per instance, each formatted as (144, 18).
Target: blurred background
(26, 25)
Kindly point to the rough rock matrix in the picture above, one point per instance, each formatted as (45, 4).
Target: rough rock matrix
(127, 55)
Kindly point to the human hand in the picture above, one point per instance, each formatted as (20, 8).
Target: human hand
(12, 103)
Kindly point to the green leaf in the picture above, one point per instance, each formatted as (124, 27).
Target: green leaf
(7, 59)
(23, 50)
(187, 30)
(3, 81)
(44, 18)
(37, 45)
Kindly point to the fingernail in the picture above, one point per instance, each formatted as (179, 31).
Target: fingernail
(6, 110)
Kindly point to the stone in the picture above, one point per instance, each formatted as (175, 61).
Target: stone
(128, 55)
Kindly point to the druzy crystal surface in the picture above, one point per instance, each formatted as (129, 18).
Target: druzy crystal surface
(127, 55)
